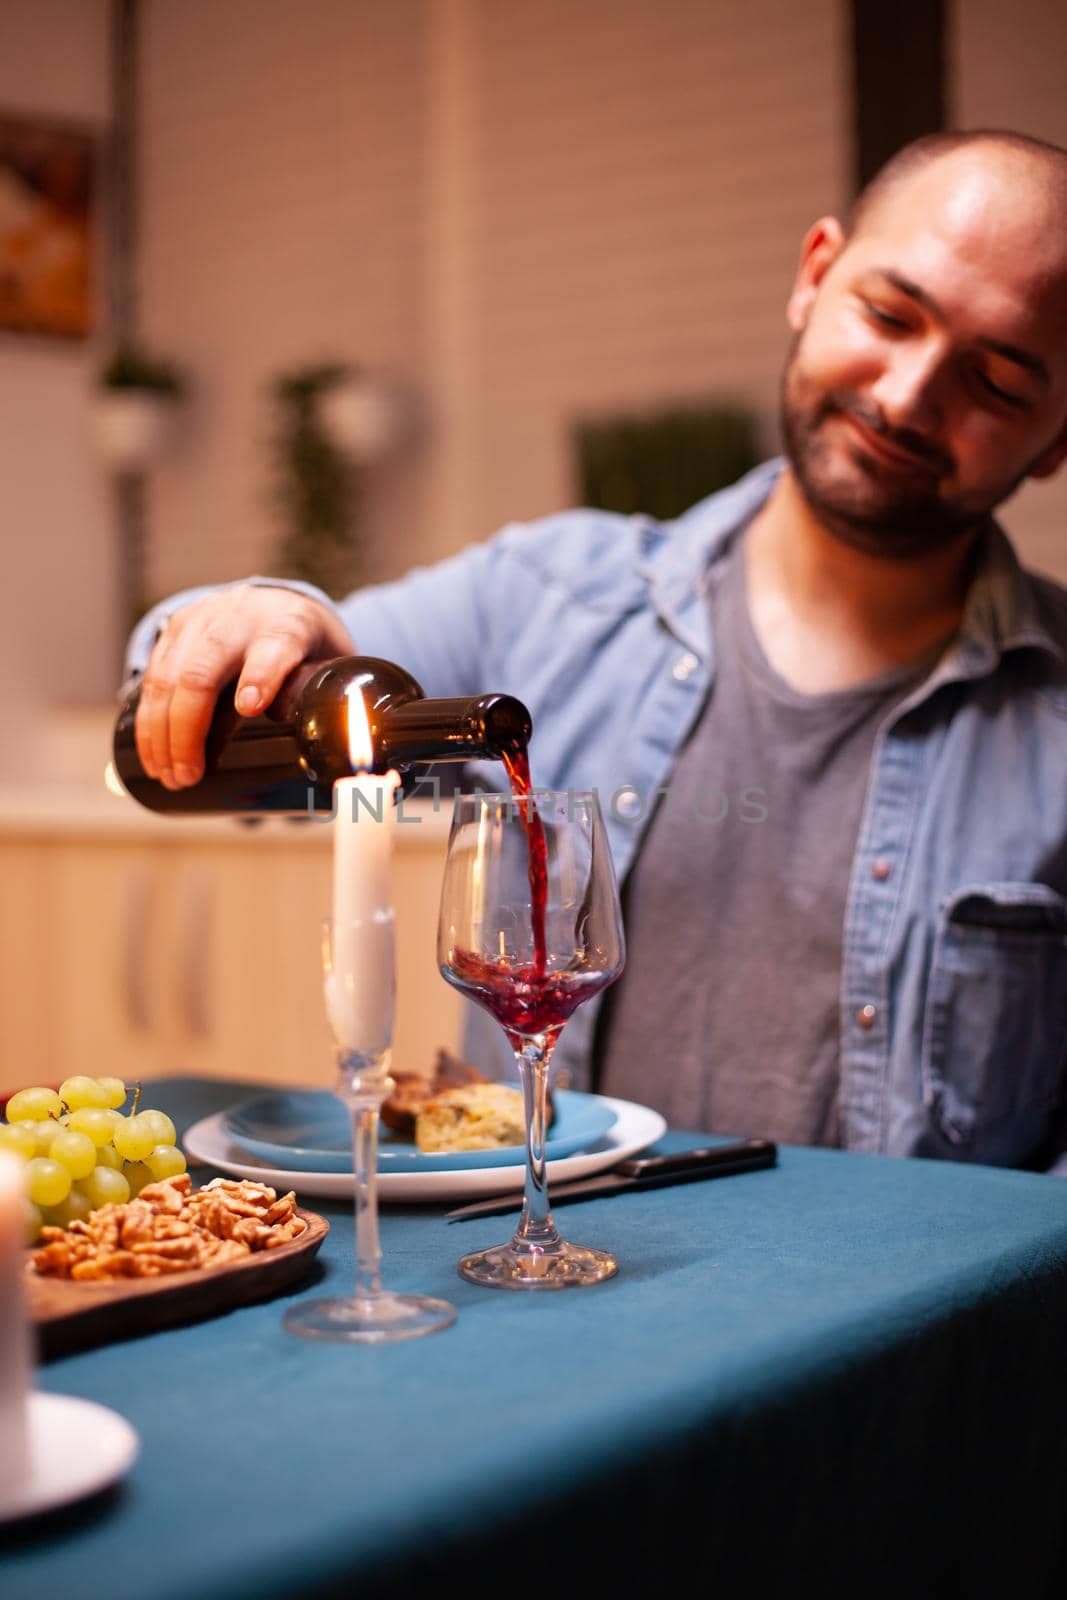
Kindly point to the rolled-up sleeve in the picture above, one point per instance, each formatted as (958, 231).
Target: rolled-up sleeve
(433, 621)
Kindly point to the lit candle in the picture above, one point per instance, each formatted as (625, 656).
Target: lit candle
(14, 1330)
(360, 992)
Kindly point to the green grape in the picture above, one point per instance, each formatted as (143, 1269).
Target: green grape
(161, 1126)
(80, 1091)
(105, 1187)
(95, 1122)
(18, 1139)
(32, 1221)
(76, 1151)
(165, 1161)
(43, 1133)
(137, 1174)
(47, 1183)
(33, 1105)
(114, 1092)
(108, 1156)
(75, 1208)
(133, 1140)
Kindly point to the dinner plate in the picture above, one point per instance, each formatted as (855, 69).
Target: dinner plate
(634, 1128)
(77, 1448)
(310, 1130)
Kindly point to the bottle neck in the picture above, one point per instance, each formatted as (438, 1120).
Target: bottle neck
(480, 729)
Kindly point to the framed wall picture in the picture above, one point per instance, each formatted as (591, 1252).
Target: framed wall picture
(47, 234)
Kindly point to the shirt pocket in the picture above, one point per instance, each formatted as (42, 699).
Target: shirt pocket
(995, 1024)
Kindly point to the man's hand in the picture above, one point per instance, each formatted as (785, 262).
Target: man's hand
(261, 632)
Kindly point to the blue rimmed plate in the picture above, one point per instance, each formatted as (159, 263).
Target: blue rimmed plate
(308, 1130)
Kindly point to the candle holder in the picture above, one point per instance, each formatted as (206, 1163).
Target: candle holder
(359, 965)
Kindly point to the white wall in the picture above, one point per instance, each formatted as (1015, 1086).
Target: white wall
(57, 625)
(283, 223)
(528, 208)
(1010, 71)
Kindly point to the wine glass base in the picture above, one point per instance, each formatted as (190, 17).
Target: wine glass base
(370, 1319)
(557, 1266)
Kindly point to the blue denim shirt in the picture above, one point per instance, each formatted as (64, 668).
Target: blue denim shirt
(953, 1005)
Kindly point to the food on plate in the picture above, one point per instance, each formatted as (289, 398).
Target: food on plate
(413, 1089)
(491, 1122)
(477, 1116)
(82, 1150)
(168, 1228)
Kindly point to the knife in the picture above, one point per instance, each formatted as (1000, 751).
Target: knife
(642, 1172)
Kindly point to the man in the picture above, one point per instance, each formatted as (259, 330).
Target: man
(828, 703)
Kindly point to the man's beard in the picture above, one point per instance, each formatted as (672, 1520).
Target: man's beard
(870, 507)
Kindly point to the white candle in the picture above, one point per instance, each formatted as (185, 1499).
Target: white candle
(360, 989)
(363, 846)
(14, 1330)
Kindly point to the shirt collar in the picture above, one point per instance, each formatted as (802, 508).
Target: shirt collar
(692, 543)
(1001, 612)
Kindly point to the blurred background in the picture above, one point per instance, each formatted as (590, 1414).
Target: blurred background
(337, 286)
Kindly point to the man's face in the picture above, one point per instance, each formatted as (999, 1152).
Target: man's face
(928, 371)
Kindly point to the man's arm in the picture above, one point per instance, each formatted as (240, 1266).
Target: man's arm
(435, 621)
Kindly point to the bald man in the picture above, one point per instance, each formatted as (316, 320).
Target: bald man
(826, 709)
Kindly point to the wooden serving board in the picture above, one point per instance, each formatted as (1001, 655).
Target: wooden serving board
(71, 1315)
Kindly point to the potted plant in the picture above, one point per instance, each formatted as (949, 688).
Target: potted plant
(136, 403)
(664, 460)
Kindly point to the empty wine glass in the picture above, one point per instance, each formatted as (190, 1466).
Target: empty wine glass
(359, 964)
(530, 927)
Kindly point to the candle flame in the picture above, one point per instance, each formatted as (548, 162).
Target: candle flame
(360, 743)
(112, 782)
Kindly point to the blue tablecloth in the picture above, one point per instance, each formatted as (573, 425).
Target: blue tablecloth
(849, 1371)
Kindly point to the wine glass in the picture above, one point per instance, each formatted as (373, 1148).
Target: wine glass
(530, 927)
(359, 965)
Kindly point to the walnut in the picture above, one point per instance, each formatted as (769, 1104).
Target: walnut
(168, 1195)
(170, 1228)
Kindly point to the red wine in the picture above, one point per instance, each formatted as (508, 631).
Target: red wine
(525, 997)
(517, 765)
(522, 1000)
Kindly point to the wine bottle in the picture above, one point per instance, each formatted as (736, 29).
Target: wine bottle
(288, 759)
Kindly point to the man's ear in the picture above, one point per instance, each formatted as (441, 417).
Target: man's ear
(1052, 459)
(823, 243)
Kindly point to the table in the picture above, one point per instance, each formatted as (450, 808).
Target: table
(847, 1372)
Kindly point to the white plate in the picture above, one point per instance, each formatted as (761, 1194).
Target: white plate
(76, 1449)
(635, 1128)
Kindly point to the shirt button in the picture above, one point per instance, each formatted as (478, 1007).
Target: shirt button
(628, 803)
(684, 667)
(881, 869)
(865, 1016)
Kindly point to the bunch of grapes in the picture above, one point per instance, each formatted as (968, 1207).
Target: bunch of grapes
(82, 1150)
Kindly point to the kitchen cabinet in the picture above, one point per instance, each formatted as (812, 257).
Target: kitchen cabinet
(138, 945)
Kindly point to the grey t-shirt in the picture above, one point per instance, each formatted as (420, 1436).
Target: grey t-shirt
(726, 1018)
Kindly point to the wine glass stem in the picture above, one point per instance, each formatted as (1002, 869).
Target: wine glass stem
(536, 1226)
(365, 1178)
